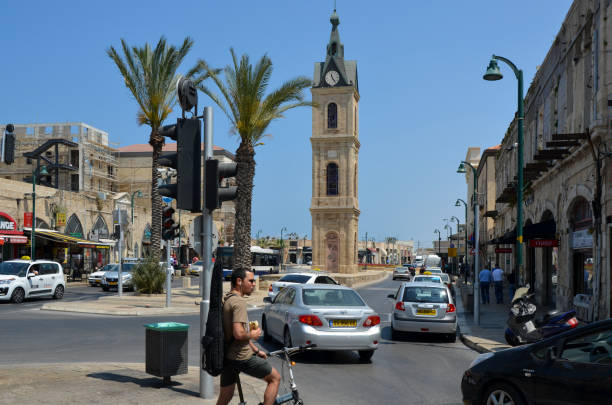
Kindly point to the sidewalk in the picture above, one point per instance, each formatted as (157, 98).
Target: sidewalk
(489, 335)
(108, 383)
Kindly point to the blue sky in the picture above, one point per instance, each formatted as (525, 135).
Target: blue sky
(420, 64)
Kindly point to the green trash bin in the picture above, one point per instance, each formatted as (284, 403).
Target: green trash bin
(166, 349)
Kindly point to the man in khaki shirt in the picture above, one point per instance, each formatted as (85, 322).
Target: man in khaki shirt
(241, 355)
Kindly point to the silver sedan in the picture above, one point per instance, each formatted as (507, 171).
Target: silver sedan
(331, 316)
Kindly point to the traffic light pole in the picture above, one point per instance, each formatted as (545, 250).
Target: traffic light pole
(168, 275)
(206, 381)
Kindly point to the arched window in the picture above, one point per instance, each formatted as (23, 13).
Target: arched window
(332, 115)
(332, 179)
(334, 49)
(100, 230)
(41, 224)
(74, 227)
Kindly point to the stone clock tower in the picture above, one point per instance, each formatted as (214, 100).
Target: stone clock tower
(335, 160)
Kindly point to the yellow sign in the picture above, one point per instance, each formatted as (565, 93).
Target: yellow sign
(60, 219)
(452, 252)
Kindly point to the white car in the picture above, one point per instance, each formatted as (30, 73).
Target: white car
(427, 279)
(196, 268)
(298, 278)
(95, 278)
(21, 279)
(402, 272)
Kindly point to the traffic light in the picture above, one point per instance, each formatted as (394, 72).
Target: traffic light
(215, 173)
(117, 232)
(187, 163)
(169, 228)
(8, 155)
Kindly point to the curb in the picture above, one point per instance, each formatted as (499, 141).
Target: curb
(466, 340)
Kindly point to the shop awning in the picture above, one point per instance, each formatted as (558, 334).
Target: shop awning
(541, 230)
(60, 237)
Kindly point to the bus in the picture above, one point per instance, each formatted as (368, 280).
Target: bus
(263, 261)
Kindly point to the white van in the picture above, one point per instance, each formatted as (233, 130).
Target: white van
(433, 261)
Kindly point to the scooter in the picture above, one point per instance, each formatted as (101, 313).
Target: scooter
(523, 327)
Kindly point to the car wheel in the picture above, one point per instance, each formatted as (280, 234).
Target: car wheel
(18, 296)
(287, 338)
(366, 355)
(502, 394)
(59, 292)
(264, 328)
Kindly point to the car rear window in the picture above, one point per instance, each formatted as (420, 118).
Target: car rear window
(331, 298)
(426, 294)
(295, 278)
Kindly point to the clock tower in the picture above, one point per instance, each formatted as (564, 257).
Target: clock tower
(335, 159)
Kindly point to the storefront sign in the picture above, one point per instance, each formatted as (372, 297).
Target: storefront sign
(60, 219)
(8, 226)
(503, 250)
(582, 239)
(543, 243)
(27, 219)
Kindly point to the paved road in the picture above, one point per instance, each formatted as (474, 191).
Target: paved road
(410, 371)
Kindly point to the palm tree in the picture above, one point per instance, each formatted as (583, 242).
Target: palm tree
(150, 75)
(250, 112)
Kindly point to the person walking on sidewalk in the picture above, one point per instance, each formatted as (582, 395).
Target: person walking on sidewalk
(498, 281)
(241, 354)
(485, 281)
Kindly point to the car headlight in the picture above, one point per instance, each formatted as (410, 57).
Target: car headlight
(9, 281)
(480, 358)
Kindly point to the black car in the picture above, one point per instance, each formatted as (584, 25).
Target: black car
(574, 367)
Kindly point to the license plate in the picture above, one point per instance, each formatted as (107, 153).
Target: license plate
(112, 283)
(422, 311)
(343, 323)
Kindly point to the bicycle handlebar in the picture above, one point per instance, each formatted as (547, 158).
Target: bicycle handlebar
(292, 350)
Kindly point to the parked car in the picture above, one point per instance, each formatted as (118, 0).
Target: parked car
(110, 279)
(95, 278)
(427, 279)
(21, 279)
(574, 367)
(424, 307)
(446, 279)
(299, 278)
(331, 316)
(195, 269)
(401, 272)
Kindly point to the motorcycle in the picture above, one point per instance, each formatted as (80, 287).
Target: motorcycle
(523, 327)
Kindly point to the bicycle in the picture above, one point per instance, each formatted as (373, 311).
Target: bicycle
(285, 355)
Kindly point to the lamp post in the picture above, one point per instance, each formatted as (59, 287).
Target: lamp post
(457, 204)
(493, 74)
(454, 218)
(439, 238)
(138, 194)
(461, 169)
(39, 171)
(282, 246)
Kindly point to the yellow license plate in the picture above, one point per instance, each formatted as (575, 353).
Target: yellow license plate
(426, 311)
(343, 323)
(112, 283)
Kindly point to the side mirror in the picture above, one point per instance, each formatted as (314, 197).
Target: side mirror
(267, 300)
(551, 354)
(391, 296)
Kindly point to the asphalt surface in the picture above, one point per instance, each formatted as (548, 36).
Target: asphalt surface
(422, 370)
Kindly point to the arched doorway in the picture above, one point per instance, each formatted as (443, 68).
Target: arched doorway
(581, 242)
(332, 242)
(74, 227)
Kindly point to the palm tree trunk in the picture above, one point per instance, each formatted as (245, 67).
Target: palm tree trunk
(156, 206)
(245, 158)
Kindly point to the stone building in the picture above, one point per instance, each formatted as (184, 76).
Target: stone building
(335, 159)
(568, 173)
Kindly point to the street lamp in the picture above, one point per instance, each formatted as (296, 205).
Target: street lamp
(461, 169)
(493, 73)
(458, 204)
(138, 194)
(439, 238)
(39, 171)
(456, 261)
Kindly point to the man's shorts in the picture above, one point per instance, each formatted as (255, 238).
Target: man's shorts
(255, 367)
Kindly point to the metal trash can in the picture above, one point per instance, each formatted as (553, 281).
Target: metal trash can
(166, 349)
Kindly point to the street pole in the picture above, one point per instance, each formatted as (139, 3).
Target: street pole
(367, 252)
(33, 233)
(206, 381)
(120, 272)
(168, 275)
(282, 247)
(476, 258)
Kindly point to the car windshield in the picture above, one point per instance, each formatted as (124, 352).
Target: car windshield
(331, 298)
(295, 278)
(426, 294)
(14, 268)
(428, 279)
(110, 267)
(400, 269)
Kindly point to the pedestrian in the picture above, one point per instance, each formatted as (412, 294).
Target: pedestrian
(511, 285)
(485, 281)
(241, 354)
(498, 281)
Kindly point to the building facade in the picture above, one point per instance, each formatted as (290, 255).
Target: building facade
(335, 159)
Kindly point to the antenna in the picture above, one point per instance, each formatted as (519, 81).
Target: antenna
(334, 5)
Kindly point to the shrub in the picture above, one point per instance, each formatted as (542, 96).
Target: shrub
(148, 277)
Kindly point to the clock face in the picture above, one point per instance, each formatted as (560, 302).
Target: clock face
(332, 77)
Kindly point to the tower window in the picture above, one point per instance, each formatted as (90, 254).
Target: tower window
(332, 115)
(334, 49)
(332, 179)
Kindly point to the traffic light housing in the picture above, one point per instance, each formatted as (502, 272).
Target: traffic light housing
(187, 163)
(9, 145)
(169, 227)
(215, 173)
(117, 232)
